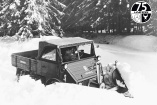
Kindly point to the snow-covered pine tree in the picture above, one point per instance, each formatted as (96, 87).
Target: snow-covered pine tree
(28, 18)
(150, 28)
(94, 15)
(111, 16)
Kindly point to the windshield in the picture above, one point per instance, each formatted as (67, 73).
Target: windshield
(85, 51)
(77, 52)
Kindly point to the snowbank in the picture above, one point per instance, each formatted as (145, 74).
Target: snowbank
(138, 42)
(31, 92)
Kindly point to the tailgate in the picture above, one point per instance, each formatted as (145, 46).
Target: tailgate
(21, 62)
(82, 70)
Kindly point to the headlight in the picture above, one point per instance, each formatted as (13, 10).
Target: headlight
(99, 58)
(65, 66)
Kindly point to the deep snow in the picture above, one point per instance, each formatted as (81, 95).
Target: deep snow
(134, 52)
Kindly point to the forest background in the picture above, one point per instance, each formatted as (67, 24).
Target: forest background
(35, 18)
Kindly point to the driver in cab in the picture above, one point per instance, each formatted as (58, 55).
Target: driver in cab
(70, 54)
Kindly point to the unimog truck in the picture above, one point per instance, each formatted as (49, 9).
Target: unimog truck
(68, 60)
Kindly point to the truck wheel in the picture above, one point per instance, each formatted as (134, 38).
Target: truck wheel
(84, 83)
(52, 81)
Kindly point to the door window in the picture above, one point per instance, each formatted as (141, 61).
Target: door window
(49, 54)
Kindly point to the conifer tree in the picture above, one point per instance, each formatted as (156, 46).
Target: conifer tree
(151, 27)
(28, 18)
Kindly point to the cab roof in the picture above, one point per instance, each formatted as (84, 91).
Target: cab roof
(66, 42)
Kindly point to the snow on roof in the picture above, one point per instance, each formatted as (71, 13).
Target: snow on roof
(68, 41)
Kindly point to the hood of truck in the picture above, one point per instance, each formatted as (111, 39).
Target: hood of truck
(82, 70)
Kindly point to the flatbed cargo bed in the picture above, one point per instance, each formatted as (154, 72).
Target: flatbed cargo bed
(24, 60)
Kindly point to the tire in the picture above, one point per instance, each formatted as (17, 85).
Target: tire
(52, 81)
(85, 83)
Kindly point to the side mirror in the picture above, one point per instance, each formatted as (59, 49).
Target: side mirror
(98, 58)
(65, 66)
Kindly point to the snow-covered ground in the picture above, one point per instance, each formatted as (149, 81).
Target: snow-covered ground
(137, 53)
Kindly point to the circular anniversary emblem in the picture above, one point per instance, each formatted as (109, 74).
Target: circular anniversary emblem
(141, 12)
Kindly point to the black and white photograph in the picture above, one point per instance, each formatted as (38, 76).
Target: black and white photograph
(78, 52)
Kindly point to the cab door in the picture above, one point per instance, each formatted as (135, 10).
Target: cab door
(48, 63)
